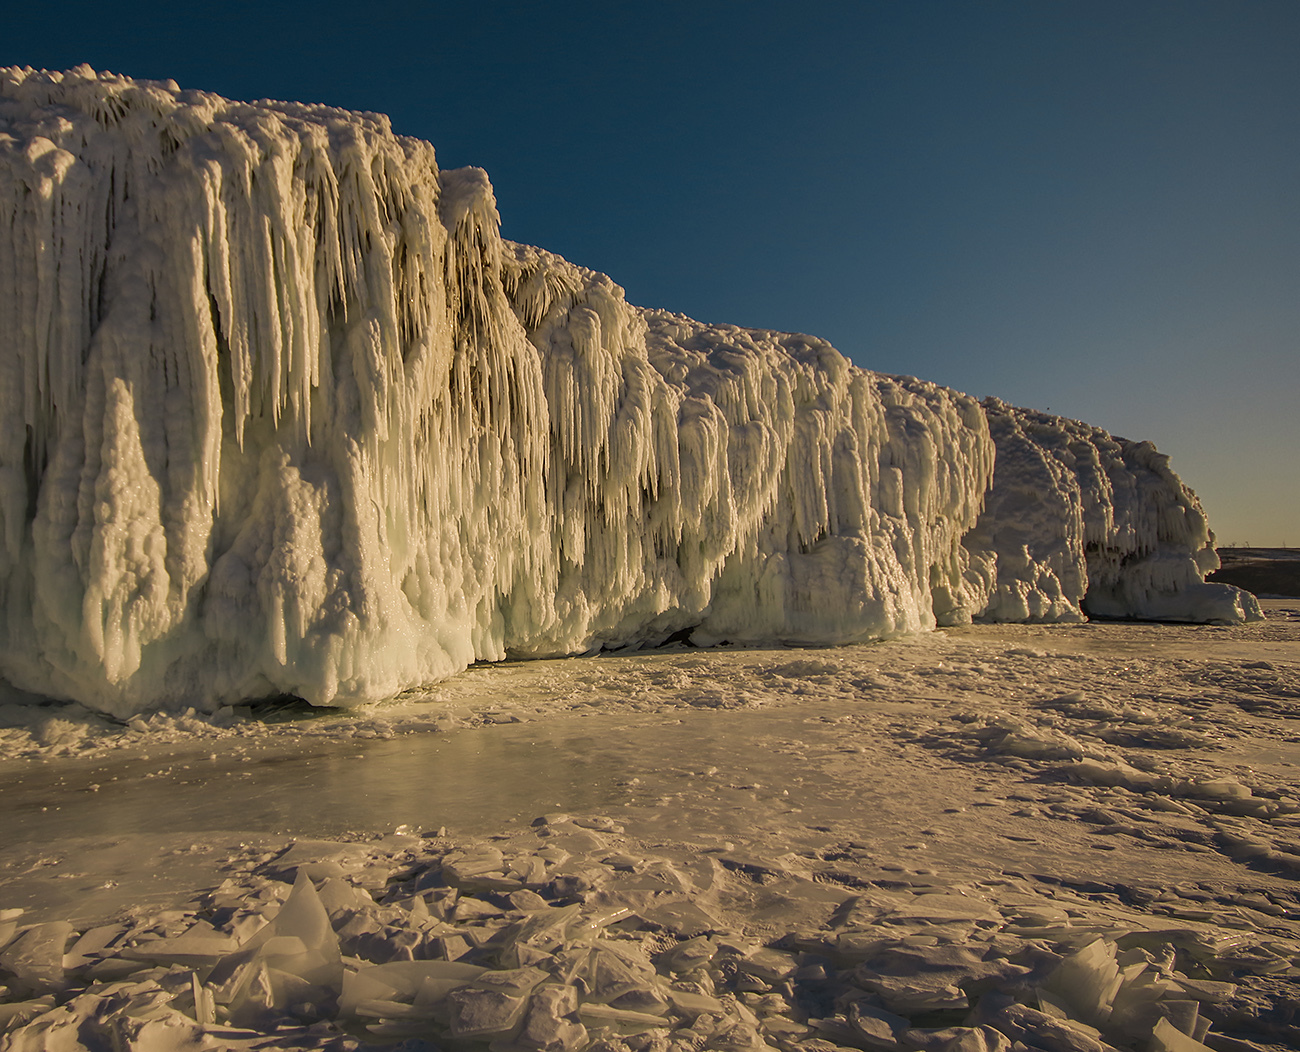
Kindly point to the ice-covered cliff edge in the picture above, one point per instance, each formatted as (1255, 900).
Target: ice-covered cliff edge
(282, 412)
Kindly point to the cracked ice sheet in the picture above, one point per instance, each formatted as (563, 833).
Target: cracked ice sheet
(1090, 777)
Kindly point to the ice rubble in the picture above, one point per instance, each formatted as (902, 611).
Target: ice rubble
(572, 935)
(283, 413)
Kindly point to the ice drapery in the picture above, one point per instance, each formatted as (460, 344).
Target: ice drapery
(283, 413)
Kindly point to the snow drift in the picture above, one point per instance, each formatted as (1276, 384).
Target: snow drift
(283, 413)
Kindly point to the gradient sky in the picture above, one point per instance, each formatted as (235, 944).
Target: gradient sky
(1088, 207)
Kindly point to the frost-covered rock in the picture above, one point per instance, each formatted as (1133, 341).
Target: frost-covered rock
(282, 413)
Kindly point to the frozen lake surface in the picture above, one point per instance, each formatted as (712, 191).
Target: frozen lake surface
(1144, 769)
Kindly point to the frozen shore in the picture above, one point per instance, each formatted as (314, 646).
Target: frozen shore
(285, 424)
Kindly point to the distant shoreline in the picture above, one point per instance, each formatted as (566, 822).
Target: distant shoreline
(1264, 571)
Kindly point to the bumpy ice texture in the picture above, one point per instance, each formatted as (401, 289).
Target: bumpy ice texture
(1080, 522)
(283, 413)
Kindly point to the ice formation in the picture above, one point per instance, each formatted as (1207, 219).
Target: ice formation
(283, 413)
(1081, 522)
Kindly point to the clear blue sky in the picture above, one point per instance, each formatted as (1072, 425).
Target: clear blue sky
(1092, 207)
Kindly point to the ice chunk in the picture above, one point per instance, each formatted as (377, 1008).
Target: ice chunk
(427, 982)
(548, 928)
(875, 1027)
(690, 954)
(35, 958)
(1039, 1030)
(1206, 991)
(88, 945)
(693, 1004)
(959, 1039)
(8, 925)
(201, 944)
(300, 940)
(684, 918)
(1219, 789)
(15, 1013)
(552, 1024)
(479, 1012)
(603, 1014)
(293, 960)
(916, 993)
(1089, 980)
(513, 981)
(337, 895)
(771, 966)
(616, 975)
(1168, 1038)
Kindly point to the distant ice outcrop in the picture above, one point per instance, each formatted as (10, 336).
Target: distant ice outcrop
(1079, 522)
(282, 413)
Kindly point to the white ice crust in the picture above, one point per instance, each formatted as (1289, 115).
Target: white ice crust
(283, 413)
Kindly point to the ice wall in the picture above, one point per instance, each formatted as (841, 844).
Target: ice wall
(282, 413)
(747, 485)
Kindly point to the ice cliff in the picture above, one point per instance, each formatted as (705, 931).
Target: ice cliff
(283, 413)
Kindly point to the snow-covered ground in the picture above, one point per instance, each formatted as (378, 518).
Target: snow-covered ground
(1058, 835)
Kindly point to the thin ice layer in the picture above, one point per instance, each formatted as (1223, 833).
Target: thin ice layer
(282, 413)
